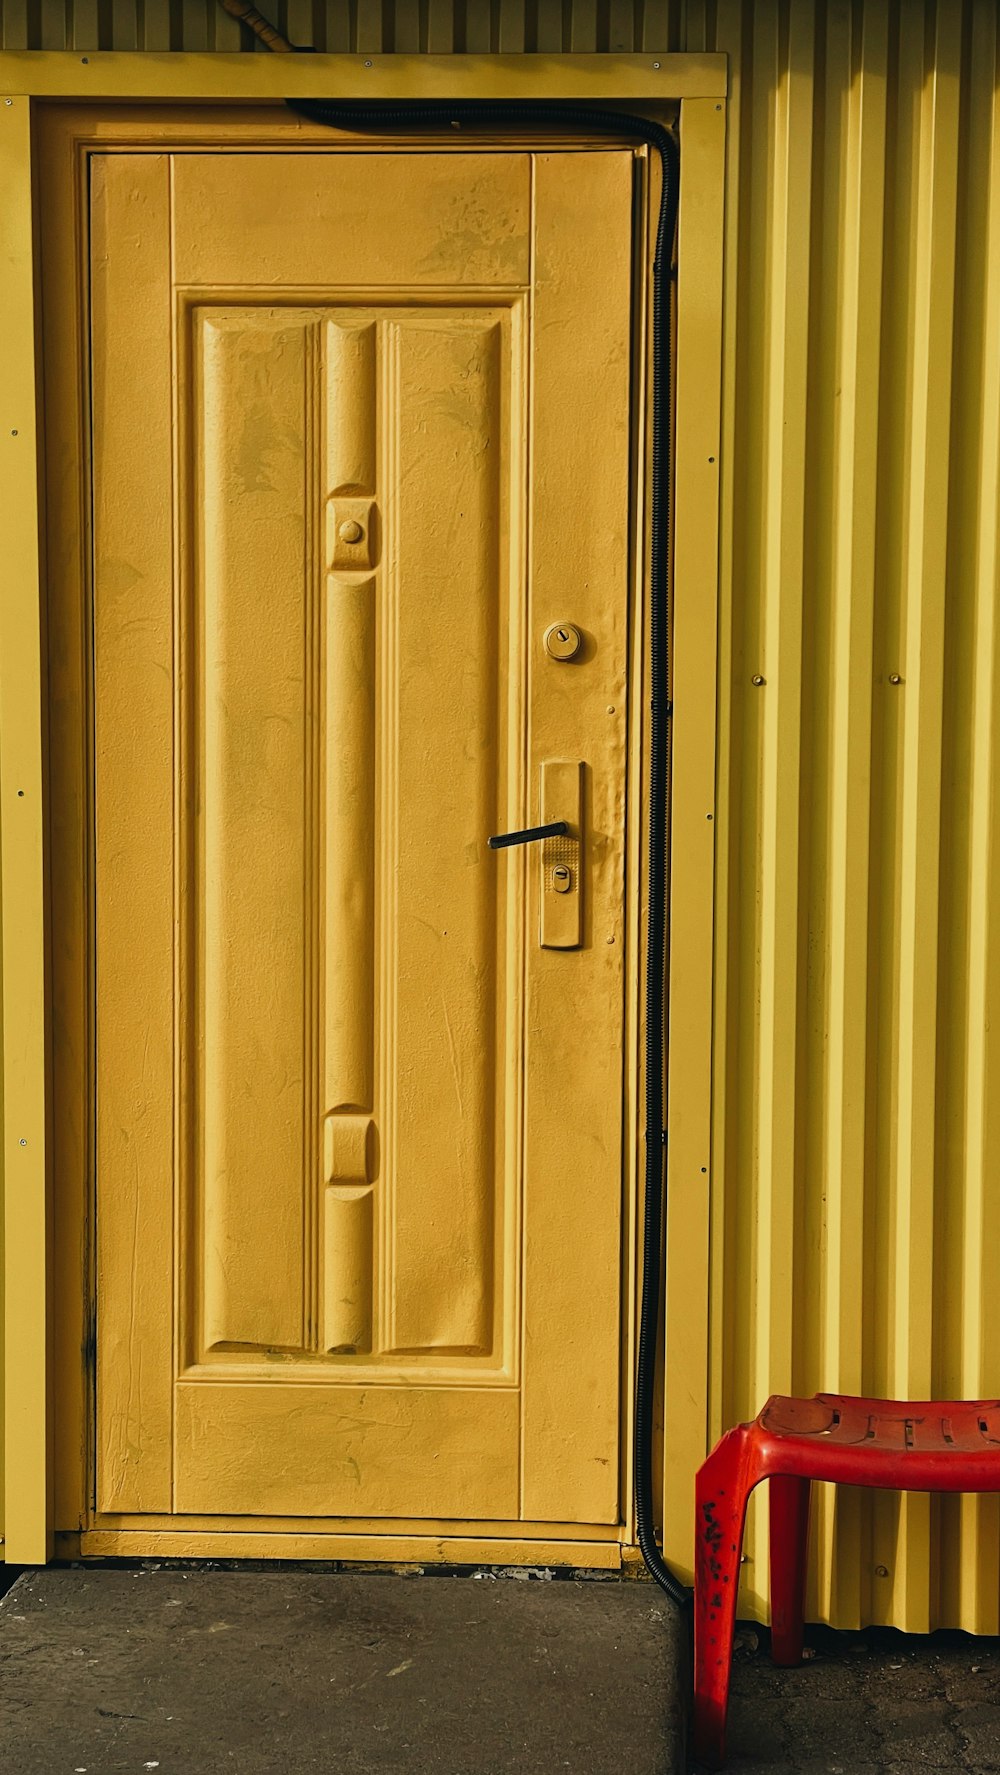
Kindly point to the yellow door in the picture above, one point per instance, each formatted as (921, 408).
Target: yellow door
(361, 437)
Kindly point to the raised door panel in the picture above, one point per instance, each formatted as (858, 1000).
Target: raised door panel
(354, 1039)
(348, 219)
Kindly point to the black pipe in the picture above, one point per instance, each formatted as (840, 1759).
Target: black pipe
(345, 114)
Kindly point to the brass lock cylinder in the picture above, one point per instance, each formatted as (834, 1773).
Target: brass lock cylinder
(563, 641)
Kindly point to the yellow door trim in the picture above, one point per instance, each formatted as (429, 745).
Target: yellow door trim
(26, 1436)
(700, 83)
(693, 816)
(642, 80)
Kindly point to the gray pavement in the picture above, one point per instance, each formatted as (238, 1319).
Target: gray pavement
(867, 1703)
(112, 1671)
(285, 1670)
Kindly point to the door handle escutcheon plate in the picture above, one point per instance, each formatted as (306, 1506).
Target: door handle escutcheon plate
(560, 917)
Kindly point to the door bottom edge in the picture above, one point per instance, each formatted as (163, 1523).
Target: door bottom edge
(363, 1549)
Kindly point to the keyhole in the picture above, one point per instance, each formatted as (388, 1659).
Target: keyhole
(563, 641)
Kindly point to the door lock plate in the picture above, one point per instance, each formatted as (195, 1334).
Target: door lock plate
(561, 901)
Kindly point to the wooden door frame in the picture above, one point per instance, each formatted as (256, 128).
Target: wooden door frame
(45, 1430)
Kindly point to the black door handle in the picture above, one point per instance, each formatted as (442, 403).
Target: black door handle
(555, 829)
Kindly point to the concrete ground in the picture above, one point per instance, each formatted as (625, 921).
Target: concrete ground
(867, 1703)
(112, 1671)
(280, 1671)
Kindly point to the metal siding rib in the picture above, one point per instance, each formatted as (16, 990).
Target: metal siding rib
(441, 27)
(369, 27)
(973, 1549)
(51, 16)
(511, 30)
(156, 29)
(300, 22)
(727, 1109)
(738, 1328)
(82, 32)
(14, 18)
(920, 728)
(583, 38)
(855, 230)
(783, 491)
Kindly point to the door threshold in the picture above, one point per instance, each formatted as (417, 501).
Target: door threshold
(102, 1543)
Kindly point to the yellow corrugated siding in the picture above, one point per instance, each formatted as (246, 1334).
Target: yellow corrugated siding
(403, 27)
(854, 1208)
(856, 1175)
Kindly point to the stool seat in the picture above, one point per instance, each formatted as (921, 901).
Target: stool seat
(826, 1428)
(944, 1445)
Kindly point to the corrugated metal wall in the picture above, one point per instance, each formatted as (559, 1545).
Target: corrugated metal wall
(857, 1164)
(405, 27)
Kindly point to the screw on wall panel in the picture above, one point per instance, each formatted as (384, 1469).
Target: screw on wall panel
(20, 792)
(85, 59)
(22, 1143)
(758, 680)
(8, 101)
(14, 432)
(881, 1571)
(656, 64)
(368, 64)
(894, 678)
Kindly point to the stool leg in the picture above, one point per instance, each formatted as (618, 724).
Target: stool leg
(789, 1503)
(721, 1492)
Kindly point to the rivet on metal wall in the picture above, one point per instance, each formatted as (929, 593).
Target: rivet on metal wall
(894, 678)
(758, 680)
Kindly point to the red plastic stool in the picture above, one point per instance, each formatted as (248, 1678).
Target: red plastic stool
(931, 1445)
